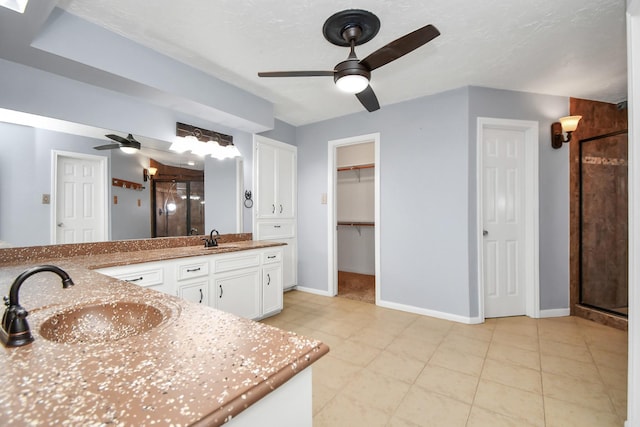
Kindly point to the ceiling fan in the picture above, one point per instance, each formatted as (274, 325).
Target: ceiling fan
(129, 145)
(353, 27)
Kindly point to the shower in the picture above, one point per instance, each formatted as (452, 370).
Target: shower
(603, 223)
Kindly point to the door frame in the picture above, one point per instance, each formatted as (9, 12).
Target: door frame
(104, 173)
(332, 220)
(531, 211)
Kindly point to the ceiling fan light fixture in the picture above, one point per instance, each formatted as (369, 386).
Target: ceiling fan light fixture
(128, 150)
(352, 83)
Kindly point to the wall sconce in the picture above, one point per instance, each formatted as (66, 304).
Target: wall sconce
(148, 174)
(566, 124)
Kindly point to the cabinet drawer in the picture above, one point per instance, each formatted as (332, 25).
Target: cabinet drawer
(269, 257)
(275, 230)
(235, 262)
(148, 277)
(186, 271)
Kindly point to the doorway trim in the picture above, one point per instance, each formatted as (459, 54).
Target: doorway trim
(332, 222)
(531, 211)
(102, 160)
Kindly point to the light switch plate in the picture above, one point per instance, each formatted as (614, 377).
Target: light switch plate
(323, 199)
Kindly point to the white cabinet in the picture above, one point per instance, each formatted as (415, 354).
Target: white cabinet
(192, 278)
(271, 282)
(247, 283)
(240, 279)
(196, 291)
(238, 292)
(275, 179)
(149, 275)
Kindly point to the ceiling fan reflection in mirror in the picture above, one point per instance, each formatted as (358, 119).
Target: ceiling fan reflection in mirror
(353, 27)
(128, 145)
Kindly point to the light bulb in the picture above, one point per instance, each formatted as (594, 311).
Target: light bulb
(128, 150)
(353, 83)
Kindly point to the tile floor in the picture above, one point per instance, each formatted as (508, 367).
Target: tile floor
(391, 368)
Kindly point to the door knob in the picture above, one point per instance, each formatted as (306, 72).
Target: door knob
(485, 232)
(60, 224)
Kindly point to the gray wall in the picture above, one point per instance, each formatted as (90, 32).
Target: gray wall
(20, 208)
(219, 190)
(423, 201)
(427, 201)
(25, 175)
(128, 220)
(553, 185)
(282, 132)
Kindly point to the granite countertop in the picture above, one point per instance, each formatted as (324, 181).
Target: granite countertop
(200, 365)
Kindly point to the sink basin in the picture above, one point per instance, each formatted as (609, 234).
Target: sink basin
(101, 322)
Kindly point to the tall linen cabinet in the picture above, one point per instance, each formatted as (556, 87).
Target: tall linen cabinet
(275, 196)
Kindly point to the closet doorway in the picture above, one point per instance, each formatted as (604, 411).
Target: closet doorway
(354, 218)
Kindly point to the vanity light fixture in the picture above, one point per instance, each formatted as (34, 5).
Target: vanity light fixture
(204, 142)
(566, 125)
(148, 174)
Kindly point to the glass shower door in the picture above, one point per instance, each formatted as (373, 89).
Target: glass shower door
(603, 223)
(178, 208)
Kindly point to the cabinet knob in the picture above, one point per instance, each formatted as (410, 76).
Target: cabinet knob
(201, 296)
(280, 208)
(268, 279)
(273, 209)
(220, 291)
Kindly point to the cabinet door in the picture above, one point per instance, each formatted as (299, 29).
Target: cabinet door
(286, 183)
(239, 293)
(289, 263)
(266, 181)
(197, 292)
(271, 289)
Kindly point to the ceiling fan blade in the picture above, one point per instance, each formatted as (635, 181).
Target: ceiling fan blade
(295, 73)
(131, 142)
(400, 47)
(118, 138)
(107, 147)
(368, 98)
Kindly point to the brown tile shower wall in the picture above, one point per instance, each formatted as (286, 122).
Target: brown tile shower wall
(604, 222)
(598, 118)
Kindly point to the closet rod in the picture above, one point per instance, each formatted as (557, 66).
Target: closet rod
(357, 225)
(356, 167)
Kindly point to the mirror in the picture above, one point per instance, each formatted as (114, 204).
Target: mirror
(29, 159)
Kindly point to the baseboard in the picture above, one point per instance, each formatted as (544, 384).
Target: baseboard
(554, 312)
(313, 291)
(430, 313)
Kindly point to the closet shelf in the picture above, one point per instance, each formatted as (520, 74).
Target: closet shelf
(357, 225)
(356, 168)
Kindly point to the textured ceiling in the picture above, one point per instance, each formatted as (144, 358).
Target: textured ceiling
(561, 47)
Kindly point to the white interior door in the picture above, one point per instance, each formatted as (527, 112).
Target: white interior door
(80, 199)
(504, 222)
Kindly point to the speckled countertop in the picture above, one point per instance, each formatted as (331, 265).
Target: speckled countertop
(199, 365)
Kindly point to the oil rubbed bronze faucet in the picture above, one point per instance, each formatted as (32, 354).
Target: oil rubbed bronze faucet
(212, 241)
(15, 330)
